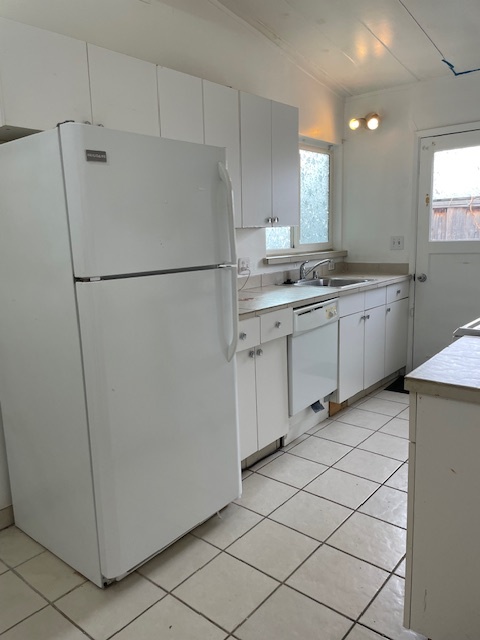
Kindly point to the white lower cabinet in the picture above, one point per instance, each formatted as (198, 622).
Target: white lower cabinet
(374, 341)
(361, 342)
(396, 334)
(262, 382)
(373, 331)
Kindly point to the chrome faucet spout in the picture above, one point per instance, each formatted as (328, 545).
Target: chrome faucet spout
(304, 270)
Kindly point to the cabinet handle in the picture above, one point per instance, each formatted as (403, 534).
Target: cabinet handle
(276, 219)
(251, 354)
(399, 291)
(269, 220)
(278, 324)
(259, 352)
(367, 317)
(388, 309)
(243, 335)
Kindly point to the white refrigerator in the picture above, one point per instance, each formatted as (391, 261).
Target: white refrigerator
(117, 335)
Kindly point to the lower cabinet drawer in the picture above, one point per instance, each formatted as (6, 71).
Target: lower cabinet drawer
(276, 324)
(248, 333)
(351, 303)
(398, 291)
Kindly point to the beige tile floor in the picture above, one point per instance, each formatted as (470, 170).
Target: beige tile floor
(314, 549)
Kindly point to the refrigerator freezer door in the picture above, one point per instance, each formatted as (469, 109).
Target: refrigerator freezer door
(140, 203)
(161, 406)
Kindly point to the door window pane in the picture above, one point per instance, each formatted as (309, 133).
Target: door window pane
(455, 210)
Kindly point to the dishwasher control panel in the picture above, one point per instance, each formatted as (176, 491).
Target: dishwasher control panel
(315, 315)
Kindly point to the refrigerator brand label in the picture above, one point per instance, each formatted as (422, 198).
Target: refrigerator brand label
(95, 156)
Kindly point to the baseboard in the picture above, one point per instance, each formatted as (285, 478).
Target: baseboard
(6, 517)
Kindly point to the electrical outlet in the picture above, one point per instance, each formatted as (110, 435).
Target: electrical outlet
(331, 266)
(243, 265)
(396, 242)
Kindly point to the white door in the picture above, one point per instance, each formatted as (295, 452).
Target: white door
(161, 408)
(447, 286)
(153, 205)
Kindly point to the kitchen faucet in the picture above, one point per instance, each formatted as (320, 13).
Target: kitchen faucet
(304, 271)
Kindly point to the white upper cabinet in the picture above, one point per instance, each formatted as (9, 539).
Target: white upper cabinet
(181, 105)
(222, 129)
(124, 92)
(270, 163)
(44, 78)
(285, 165)
(256, 154)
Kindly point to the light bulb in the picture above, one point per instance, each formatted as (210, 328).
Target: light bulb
(373, 120)
(354, 124)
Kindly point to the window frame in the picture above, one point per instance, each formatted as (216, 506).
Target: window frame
(295, 246)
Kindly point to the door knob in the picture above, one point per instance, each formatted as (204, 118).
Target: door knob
(422, 277)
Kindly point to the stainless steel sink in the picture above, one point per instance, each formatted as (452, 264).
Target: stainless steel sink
(346, 282)
(331, 282)
(318, 282)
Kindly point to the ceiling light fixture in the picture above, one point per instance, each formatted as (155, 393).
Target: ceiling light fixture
(371, 122)
(357, 123)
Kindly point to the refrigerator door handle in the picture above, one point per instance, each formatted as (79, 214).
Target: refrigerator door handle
(232, 347)
(225, 178)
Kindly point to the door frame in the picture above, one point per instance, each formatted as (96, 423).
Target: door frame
(412, 263)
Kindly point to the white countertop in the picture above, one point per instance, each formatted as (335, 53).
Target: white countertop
(263, 299)
(453, 373)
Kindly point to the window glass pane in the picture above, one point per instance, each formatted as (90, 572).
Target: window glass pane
(455, 210)
(314, 196)
(278, 238)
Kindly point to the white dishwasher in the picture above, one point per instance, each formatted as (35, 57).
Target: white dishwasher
(312, 355)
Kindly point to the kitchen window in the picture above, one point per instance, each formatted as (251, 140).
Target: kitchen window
(314, 231)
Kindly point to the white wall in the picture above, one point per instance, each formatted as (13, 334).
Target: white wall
(379, 167)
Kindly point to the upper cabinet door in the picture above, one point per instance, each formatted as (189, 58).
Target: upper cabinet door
(285, 165)
(181, 106)
(124, 92)
(44, 77)
(256, 154)
(222, 129)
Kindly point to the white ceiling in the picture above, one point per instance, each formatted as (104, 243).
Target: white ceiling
(351, 46)
(357, 46)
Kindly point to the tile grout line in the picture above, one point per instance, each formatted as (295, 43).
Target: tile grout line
(50, 603)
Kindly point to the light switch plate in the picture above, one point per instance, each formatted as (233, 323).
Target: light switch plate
(396, 242)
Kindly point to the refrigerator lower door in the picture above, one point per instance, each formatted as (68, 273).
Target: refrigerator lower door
(161, 406)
